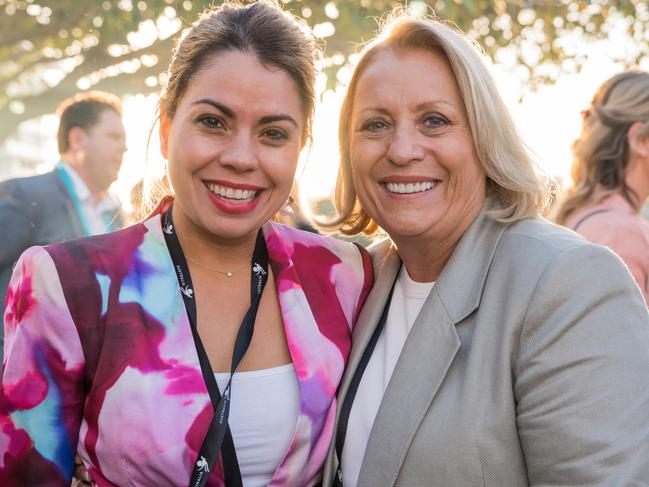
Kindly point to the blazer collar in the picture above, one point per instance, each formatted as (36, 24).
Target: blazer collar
(459, 286)
(429, 349)
(317, 363)
(461, 282)
(386, 265)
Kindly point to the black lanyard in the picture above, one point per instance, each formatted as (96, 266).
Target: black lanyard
(218, 437)
(346, 408)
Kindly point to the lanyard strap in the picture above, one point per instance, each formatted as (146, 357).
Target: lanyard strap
(346, 408)
(218, 437)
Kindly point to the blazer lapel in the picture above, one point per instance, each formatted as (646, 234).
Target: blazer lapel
(317, 361)
(428, 353)
(386, 266)
(386, 270)
(429, 350)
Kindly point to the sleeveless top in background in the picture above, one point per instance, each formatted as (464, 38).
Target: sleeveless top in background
(615, 224)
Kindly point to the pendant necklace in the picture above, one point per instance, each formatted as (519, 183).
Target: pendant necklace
(214, 269)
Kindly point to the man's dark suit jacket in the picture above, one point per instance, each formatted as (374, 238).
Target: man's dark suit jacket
(35, 210)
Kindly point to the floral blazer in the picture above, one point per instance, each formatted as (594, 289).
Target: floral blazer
(100, 360)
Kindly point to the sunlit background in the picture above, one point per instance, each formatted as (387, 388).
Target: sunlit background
(545, 101)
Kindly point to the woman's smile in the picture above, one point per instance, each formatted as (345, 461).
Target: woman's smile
(233, 200)
(413, 187)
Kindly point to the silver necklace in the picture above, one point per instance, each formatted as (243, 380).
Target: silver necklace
(214, 269)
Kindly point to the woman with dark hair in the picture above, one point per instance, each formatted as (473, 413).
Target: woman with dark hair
(204, 345)
(611, 173)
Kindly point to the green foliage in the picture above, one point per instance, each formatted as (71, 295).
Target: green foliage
(52, 49)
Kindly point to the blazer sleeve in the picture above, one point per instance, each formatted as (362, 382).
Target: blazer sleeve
(582, 375)
(42, 388)
(15, 220)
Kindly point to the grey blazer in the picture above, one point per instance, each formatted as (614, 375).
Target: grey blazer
(528, 365)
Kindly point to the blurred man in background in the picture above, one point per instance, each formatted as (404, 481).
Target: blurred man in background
(72, 200)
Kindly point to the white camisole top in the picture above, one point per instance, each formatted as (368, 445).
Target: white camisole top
(264, 408)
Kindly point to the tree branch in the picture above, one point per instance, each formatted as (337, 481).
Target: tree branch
(46, 102)
(12, 35)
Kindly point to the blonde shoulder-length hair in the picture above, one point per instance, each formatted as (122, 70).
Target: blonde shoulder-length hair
(516, 186)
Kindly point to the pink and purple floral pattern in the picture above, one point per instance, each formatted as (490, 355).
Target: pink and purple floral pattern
(100, 360)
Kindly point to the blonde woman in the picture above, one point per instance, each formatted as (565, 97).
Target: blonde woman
(611, 173)
(495, 349)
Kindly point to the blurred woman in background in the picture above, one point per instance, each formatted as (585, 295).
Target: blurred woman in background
(611, 173)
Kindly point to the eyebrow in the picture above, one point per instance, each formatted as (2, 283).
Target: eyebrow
(219, 106)
(277, 118)
(422, 106)
(230, 113)
(374, 109)
(432, 104)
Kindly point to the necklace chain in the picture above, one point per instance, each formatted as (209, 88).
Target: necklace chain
(214, 269)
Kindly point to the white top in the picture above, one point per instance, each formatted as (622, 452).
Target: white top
(264, 408)
(94, 211)
(407, 300)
